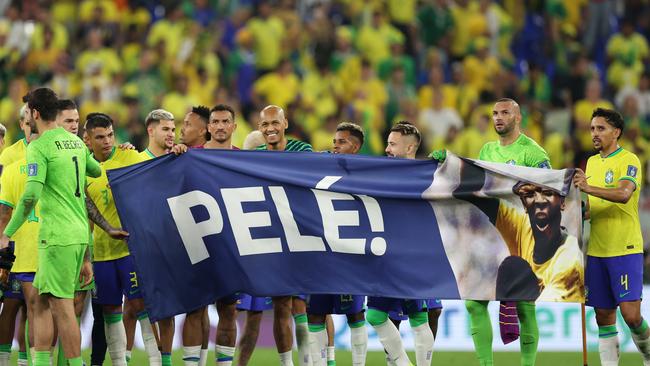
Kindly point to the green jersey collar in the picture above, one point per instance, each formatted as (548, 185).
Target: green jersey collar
(148, 152)
(618, 150)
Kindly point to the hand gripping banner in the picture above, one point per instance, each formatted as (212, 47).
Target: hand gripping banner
(211, 223)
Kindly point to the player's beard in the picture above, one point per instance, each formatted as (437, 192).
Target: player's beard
(506, 129)
(32, 125)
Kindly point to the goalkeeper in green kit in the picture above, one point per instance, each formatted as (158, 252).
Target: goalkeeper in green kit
(515, 148)
(56, 165)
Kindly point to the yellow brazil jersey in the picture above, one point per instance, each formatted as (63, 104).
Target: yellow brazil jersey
(12, 187)
(105, 247)
(13, 153)
(615, 227)
(146, 155)
(562, 276)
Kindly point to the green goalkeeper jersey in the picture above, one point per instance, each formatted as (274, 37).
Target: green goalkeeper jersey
(524, 152)
(60, 160)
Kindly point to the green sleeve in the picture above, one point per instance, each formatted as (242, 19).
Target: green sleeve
(36, 164)
(93, 169)
(540, 159)
(27, 203)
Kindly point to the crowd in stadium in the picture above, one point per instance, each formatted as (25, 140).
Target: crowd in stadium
(437, 63)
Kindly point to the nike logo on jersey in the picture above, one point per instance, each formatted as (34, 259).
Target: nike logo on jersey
(623, 294)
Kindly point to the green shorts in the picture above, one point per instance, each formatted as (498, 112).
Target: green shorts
(91, 285)
(58, 269)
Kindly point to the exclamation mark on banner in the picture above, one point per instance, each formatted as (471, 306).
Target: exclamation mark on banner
(378, 243)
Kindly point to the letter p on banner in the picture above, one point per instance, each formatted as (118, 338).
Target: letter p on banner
(192, 232)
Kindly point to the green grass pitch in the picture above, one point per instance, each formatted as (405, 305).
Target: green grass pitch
(267, 356)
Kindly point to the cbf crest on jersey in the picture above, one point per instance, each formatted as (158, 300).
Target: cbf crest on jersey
(15, 286)
(32, 170)
(609, 176)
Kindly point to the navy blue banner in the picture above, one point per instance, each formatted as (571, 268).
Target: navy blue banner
(210, 223)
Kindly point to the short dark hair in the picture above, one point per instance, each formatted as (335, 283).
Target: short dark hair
(204, 114)
(94, 120)
(406, 128)
(223, 107)
(66, 104)
(611, 116)
(354, 130)
(43, 100)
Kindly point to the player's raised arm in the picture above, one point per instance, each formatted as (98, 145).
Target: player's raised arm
(619, 194)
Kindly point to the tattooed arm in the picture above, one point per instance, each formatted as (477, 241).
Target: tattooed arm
(95, 216)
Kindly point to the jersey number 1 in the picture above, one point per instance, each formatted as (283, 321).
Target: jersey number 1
(77, 192)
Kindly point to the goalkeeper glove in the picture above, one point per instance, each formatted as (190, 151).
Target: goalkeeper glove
(439, 155)
(7, 259)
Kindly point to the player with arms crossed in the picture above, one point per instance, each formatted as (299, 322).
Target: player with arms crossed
(56, 165)
(614, 273)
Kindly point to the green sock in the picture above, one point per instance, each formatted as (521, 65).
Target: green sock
(77, 361)
(27, 345)
(481, 329)
(418, 318)
(22, 355)
(300, 318)
(166, 359)
(641, 329)
(529, 333)
(5, 348)
(60, 357)
(316, 327)
(359, 324)
(42, 358)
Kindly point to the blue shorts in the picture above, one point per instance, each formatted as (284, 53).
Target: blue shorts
(25, 276)
(335, 304)
(254, 303)
(397, 309)
(15, 290)
(612, 280)
(434, 304)
(113, 279)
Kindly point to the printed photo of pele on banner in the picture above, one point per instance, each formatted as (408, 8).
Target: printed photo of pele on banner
(517, 234)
